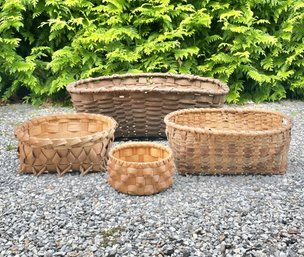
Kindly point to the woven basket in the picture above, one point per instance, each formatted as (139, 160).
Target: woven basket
(65, 142)
(140, 168)
(229, 141)
(139, 102)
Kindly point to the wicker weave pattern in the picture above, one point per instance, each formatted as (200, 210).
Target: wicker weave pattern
(229, 141)
(139, 102)
(65, 142)
(140, 168)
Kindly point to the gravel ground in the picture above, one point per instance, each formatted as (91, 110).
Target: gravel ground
(199, 216)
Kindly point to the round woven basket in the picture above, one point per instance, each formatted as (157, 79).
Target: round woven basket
(140, 168)
(65, 142)
(229, 141)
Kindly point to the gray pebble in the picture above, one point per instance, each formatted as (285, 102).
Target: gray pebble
(199, 216)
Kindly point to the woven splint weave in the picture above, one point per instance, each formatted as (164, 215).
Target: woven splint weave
(229, 141)
(65, 142)
(139, 102)
(140, 168)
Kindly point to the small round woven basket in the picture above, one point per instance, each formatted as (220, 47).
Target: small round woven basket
(140, 168)
(65, 142)
(229, 141)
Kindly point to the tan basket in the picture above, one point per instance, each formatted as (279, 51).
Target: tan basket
(139, 102)
(65, 142)
(229, 141)
(140, 168)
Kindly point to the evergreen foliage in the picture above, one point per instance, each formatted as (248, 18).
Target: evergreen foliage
(256, 46)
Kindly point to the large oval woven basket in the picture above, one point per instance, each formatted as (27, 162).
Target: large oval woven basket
(139, 102)
(229, 141)
(65, 142)
(140, 168)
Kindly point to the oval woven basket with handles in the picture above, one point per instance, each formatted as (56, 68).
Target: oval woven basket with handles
(139, 102)
(229, 141)
(65, 142)
(140, 168)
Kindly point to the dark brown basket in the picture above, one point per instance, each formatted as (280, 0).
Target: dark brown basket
(229, 141)
(139, 102)
(65, 142)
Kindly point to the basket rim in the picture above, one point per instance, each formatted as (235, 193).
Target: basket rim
(138, 144)
(20, 130)
(72, 87)
(210, 131)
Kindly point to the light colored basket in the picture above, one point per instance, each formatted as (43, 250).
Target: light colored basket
(139, 102)
(140, 168)
(229, 141)
(65, 142)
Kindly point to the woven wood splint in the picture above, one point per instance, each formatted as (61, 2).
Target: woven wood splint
(65, 142)
(140, 168)
(229, 141)
(139, 102)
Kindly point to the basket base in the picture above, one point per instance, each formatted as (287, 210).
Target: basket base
(245, 171)
(140, 191)
(141, 138)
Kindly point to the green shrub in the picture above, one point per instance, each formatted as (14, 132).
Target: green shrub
(254, 46)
